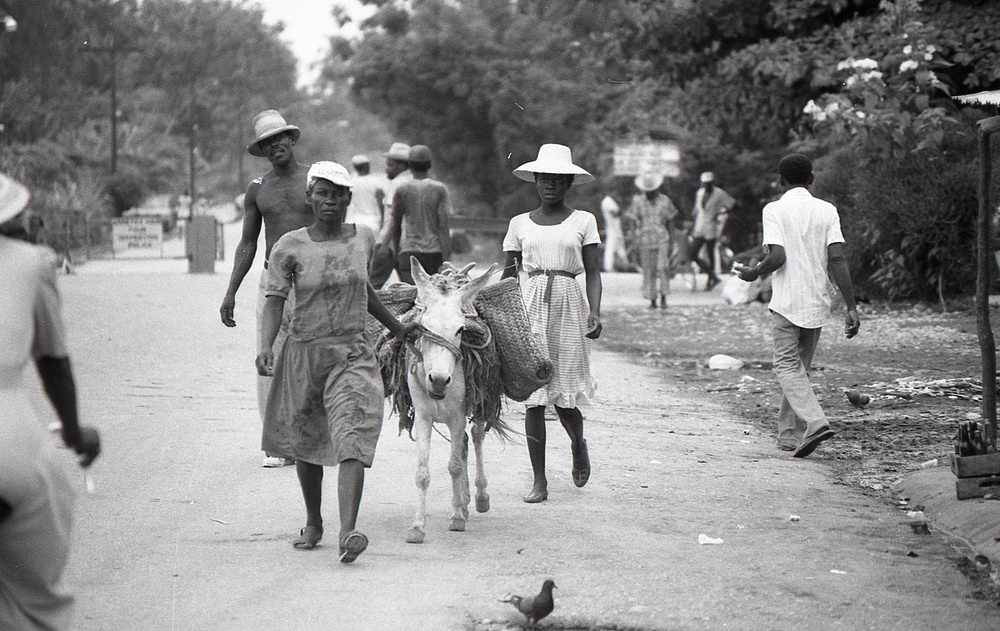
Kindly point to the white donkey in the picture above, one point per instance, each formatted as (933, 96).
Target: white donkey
(436, 381)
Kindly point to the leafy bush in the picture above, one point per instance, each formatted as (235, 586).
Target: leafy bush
(126, 189)
(905, 160)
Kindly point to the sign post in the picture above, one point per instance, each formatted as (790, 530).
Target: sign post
(137, 237)
(648, 156)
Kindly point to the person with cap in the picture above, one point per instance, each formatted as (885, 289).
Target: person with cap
(554, 244)
(397, 171)
(275, 202)
(36, 497)
(711, 210)
(805, 248)
(325, 407)
(418, 225)
(653, 214)
(368, 208)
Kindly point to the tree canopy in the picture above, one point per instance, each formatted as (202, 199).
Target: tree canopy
(734, 82)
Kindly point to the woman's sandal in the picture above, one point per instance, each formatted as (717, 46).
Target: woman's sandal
(581, 466)
(310, 537)
(352, 546)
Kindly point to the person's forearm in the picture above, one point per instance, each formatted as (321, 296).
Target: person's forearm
(242, 260)
(379, 311)
(57, 379)
(841, 275)
(772, 262)
(270, 321)
(594, 290)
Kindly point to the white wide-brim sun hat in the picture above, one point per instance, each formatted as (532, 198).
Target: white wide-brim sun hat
(14, 197)
(648, 182)
(555, 159)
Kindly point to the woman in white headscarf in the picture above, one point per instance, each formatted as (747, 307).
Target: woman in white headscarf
(36, 500)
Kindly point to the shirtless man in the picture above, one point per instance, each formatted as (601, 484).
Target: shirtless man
(276, 201)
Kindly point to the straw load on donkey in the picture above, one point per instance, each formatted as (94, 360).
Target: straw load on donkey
(473, 346)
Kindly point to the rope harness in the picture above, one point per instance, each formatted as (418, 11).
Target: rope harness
(442, 341)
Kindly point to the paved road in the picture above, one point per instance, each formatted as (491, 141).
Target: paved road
(186, 531)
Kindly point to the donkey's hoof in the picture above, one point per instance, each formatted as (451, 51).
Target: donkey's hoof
(483, 504)
(457, 525)
(414, 535)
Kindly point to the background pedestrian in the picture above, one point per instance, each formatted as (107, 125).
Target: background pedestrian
(653, 214)
(368, 208)
(711, 210)
(418, 226)
(615, 256)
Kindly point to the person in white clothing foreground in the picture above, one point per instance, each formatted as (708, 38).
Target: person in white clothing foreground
(804, 244)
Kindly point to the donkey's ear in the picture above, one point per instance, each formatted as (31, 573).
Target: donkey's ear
(470, 291)
(420, 277)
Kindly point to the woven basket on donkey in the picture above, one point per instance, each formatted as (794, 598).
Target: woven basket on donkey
(524, 364)
(398, 299)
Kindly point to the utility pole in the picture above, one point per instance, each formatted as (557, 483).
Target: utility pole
(112, 49)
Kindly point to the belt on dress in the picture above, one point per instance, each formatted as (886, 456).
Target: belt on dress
(551, 273)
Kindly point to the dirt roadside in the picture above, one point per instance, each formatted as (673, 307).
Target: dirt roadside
(186, 531)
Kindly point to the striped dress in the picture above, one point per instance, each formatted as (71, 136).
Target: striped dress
(560, 323)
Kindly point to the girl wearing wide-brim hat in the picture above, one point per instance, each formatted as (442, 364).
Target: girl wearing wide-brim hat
(653, 214)
(554, 244)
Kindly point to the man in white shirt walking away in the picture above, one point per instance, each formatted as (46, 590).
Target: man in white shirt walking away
(804, 243)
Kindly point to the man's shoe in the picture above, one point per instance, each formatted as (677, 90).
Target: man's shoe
(811, 441)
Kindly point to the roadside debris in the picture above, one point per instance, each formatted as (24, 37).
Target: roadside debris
(967, 388)
(705, 540)
(724, 362)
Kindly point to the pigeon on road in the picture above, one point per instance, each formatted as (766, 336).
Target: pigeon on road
(537, 607)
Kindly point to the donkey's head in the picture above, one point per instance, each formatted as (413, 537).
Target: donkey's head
(443, 301)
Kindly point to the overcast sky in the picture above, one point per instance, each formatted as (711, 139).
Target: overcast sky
(308, 27)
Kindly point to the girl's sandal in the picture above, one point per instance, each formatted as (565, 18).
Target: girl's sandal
(352, 546)
(310, 536)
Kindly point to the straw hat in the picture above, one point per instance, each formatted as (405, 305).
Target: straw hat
(360, 160)
(13, 198)
(556, 159)
(266, 124)
(398, 151)
(707, 176)
(649, 182)
(331, 172)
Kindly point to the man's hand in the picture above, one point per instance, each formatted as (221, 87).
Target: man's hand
(85, 441)
(226, 310)
(265, 363)
(852, 323)
(746, 272)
